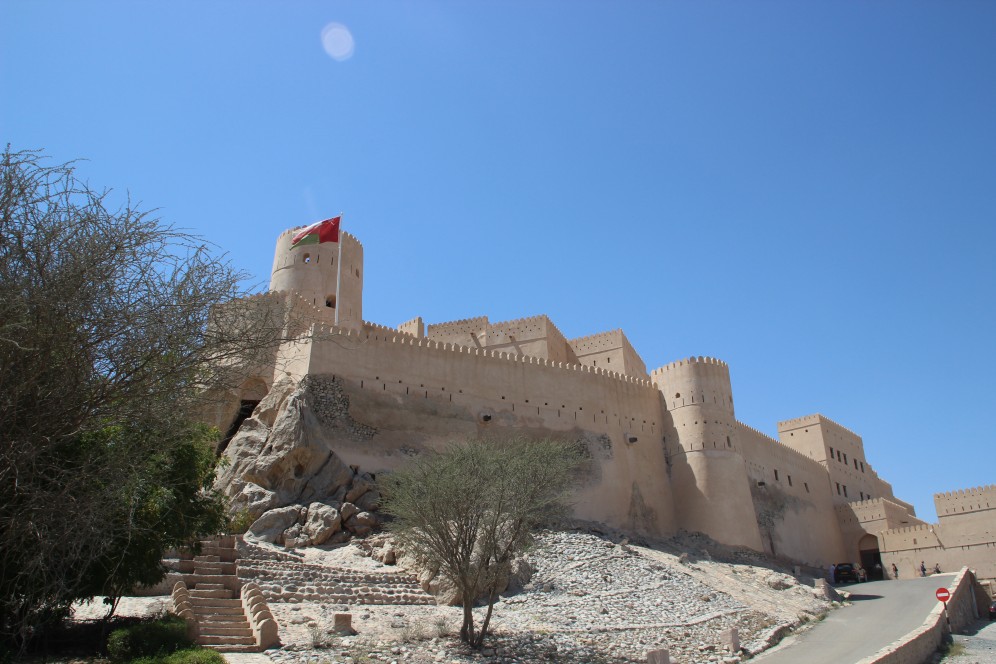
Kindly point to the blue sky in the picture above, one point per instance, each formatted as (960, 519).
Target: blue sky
(805, 190)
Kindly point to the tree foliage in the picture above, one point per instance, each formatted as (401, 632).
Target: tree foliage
(470, 510)
(110, 336)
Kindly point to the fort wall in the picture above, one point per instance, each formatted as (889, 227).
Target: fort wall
(420, 394)
(790, 494)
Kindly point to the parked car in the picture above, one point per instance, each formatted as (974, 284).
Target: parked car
(846, 573)
(992, 611)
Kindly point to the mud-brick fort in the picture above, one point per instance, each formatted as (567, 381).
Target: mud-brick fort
(666, 449)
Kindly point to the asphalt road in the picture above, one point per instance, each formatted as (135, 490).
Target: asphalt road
(880, 613)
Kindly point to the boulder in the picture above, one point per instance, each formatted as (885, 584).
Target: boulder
(369, 501)
(322, 522)
(268, 409)
(348, 510)
(295, 537)
(778, 581)
(270, 526)
(361, 484)
(255, 499)
(361, 523)
(290, 457)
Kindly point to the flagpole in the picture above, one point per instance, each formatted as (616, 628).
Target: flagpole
(338, 274)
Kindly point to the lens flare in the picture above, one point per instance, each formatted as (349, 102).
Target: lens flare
(337, 41)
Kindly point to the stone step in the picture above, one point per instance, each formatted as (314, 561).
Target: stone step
(207, 559)
(210, 586)
(219, 618)
(232, 648)
(215, 602)
(215, 630)
(224, 621)
(230, 581)
(210, 640)
(228, 612)
(188, 567)
(223, 593)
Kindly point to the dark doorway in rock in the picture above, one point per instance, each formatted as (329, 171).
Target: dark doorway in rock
(245, 410)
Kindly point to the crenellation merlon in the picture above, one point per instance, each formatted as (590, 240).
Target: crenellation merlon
(691, 360)
(786, 425)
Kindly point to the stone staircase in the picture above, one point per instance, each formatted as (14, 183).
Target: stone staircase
(215, 599)
(303, 582)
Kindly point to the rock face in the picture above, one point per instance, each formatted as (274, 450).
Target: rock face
(283, 472)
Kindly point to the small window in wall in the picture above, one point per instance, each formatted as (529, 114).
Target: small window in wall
(330, 301)
(845, 491)
(776, 475)
(845, 457)
(838, 487)
(831, 452)
(855, 464)
(306, 258)
(862, 466)
(806, 484)
(790, 480)
(728, 443)
(838, 455)
(357, 272)
(862, 495)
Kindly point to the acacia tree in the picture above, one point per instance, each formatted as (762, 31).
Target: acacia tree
(110, 338)
(469, 510)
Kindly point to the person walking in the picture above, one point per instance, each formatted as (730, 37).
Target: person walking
(923, 569)
(895, 571)
(833, 572)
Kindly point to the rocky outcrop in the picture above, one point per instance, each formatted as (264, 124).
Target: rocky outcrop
(283, 472)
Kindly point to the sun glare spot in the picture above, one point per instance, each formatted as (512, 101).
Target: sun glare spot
(337, 41)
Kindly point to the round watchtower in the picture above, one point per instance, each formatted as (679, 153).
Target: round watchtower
(708, 473)
(310, 271)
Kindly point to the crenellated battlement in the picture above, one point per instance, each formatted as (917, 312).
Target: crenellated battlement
(598, 341)
(965, 501)
(762, 435)
(792, 452)
(988, 489)
(660, 371)
(383, 334)
(372, 327)
(912, 530)
(816, 418)
(464, 325)
(416, 324)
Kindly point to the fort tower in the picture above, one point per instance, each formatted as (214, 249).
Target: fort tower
(310, 271)
(708, 472)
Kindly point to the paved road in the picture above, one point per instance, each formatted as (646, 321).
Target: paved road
(880, 613)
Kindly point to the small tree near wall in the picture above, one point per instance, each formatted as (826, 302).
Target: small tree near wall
(469, 510)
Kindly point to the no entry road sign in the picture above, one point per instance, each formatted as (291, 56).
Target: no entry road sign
(943, 595)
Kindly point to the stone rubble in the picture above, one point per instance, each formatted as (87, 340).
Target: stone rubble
(589, 600)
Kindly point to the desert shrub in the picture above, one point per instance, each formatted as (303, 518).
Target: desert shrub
(149, 639)
(239, 522)
(194, 655)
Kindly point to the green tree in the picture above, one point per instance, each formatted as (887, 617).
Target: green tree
(470, 510)
(111, 335)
